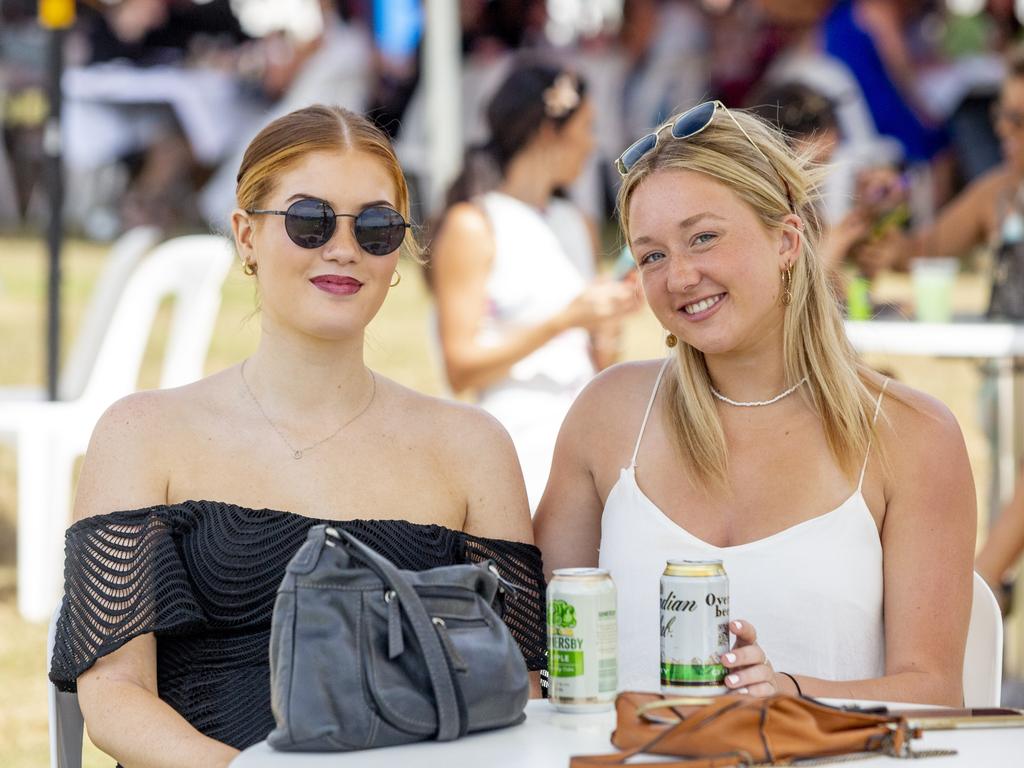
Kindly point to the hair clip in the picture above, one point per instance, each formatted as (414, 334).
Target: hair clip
(561, 97)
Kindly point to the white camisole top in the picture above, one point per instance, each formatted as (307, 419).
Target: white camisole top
(813, 591)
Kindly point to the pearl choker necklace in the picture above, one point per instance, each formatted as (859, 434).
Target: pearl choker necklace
(758, 403)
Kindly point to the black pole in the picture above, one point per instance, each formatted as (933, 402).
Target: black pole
(55, 192)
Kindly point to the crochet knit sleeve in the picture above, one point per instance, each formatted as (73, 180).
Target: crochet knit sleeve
(123, 577)
(524, 612)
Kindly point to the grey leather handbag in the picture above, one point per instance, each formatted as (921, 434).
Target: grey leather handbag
(365, 655)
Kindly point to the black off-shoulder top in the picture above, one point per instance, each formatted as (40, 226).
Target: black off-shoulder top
(202, 576)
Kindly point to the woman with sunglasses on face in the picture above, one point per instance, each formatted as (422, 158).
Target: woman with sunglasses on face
(522, 320)
(840, 503)
(192, 501)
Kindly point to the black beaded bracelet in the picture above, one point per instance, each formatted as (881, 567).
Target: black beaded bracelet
(798, 691)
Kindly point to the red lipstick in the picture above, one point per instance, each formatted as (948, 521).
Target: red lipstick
(339, 285)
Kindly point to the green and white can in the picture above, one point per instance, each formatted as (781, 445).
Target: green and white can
(694, 627)
(583, 638)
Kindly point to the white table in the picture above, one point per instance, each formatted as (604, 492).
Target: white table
(209, 104)
(550, 738)
(1003, 343)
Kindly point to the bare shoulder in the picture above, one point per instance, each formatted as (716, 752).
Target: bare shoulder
(133, 421)
(163, 412)
(467, 219)
(988, 188)
(920, 432)
(468, 452)
(453, 428)
(602, 425)
(909, 409)
(615, 392)
(133, 444)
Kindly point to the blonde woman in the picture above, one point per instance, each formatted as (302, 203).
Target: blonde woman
(841, 503)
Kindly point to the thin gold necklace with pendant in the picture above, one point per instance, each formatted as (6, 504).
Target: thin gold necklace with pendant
(298, 453)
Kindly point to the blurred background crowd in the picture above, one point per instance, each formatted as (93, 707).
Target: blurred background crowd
(161, 95)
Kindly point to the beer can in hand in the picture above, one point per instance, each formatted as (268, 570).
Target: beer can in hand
(583, 637)
(694, 627)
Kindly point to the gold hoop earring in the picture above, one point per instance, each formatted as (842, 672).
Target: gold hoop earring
(787, 286)
(397, 279)
(249, 268)
(671, 340)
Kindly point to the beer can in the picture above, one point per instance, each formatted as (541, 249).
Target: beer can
(583, 638)
(694, 627)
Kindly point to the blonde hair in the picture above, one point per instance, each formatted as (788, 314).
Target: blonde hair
(814, 339)
(316, 128)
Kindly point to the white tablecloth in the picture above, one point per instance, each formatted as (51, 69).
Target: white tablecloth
(550, 738)
(1001, 342)
(957, 339)
(209, 105)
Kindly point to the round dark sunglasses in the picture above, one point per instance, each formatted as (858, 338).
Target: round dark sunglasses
(310, 223)
(684, 126)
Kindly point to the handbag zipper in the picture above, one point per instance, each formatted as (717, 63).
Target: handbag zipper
(457, 662)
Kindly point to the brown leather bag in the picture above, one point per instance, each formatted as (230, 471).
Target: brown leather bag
(736, 730)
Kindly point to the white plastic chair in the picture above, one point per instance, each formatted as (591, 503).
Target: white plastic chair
(125, 254)
(66, 723)
(50, 436)
(983, 657)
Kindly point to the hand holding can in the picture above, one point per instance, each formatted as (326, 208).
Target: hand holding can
(694, 627)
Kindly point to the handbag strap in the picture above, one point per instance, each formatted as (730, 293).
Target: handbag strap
(445, 696)
(727, 760)
(723, 760)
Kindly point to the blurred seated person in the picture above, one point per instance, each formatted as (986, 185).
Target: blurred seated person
(988, 211)
(114, 119)
(177, 89)
(1003, 547)
(808, 120)
(336, 66)
(665, 47)
(873, 39)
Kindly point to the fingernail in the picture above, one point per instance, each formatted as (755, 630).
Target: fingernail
(732, 679)
(742, 690)
(730, 657)
(739, 624)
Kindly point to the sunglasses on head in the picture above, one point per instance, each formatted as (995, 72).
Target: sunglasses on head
(311, 223)
(684, 126)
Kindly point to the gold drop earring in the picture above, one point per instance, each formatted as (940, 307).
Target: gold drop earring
(787, 286)
(671, 340)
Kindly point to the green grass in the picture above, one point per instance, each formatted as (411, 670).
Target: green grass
(399, 345)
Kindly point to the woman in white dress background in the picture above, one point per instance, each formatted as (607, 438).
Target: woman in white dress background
(523, 321)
